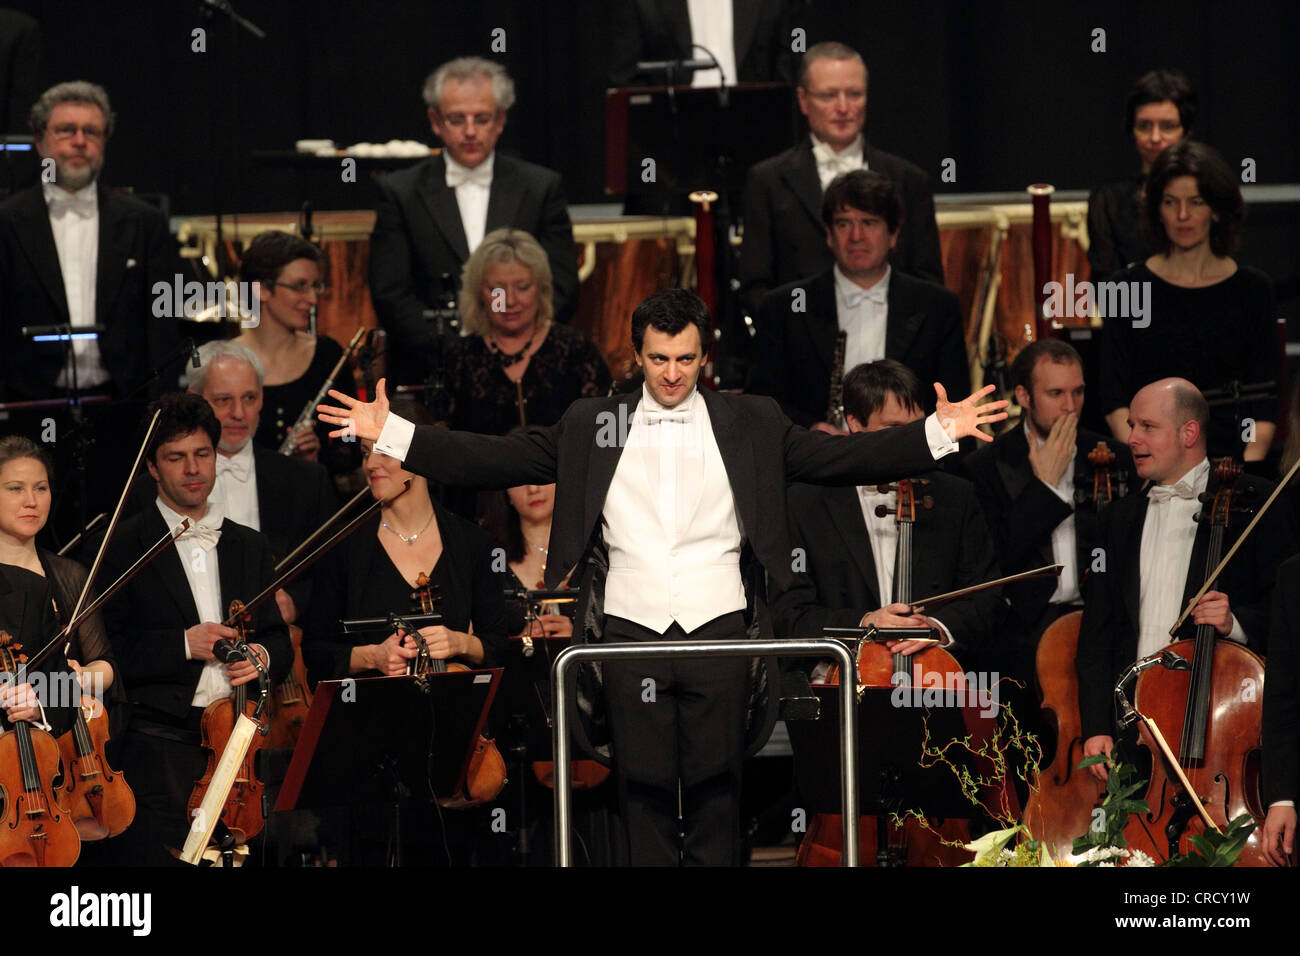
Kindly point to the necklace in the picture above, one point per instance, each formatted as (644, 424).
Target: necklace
(510, 358)
(409, 540)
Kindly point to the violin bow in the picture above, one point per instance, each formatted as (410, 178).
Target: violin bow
(319, 551)
(112, 522)
(1211, 578)
(288, 559)
(1046, 571)
(95, 522)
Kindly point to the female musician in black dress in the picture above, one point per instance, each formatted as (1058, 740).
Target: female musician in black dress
(515, 366)
(297, 362)
(1161, 111)
(374, 572)
(25, 496)
(1206, 318)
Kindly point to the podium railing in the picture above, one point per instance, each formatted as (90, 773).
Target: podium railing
(706, 649)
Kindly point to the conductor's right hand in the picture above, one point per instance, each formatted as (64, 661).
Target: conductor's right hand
(201, 637)
(364, 420)
(390, 657)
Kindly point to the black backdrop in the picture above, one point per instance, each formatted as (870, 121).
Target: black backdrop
(1010, 90)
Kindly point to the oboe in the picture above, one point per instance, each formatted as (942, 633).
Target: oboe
(835, 407)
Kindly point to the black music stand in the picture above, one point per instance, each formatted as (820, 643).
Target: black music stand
(376, 740)
(890, 778)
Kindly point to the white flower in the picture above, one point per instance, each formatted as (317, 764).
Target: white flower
(1138, 858)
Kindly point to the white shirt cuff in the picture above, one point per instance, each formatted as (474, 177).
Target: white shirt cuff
(1068, 499)
(1237, 634)
(952, 641)
(940, 443)
(1281, 803)
(185, 643)
(395, 437)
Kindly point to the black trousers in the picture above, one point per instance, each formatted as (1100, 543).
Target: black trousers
(678, 725)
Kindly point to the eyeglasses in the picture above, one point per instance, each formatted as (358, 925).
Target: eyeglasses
(69, 130)
(302, 287)
(1166, 126)
(458, 120)
(827, 97)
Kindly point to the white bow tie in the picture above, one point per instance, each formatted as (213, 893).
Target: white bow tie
(855, 299)
(658, 418)
(236, 467)
(836, 163)
(1165, 492)
(200, 534)
(480, 175)
(61, 205)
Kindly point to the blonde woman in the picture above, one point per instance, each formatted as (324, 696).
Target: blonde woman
(515, 365)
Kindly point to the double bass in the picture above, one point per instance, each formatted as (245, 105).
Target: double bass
(1211, 715)
(880, 840)
(1062, 799)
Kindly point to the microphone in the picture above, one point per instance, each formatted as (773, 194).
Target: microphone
(1174, 662)
(226, 650)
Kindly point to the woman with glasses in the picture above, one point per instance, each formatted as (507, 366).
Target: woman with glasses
(1161, 110)
(296, 361)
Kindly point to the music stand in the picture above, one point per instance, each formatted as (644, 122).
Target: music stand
(374, 740)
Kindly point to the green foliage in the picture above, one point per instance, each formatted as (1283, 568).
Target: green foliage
(1115, 808)
(1218, 849)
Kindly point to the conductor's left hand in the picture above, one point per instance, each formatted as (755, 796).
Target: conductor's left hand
(964, 418)
(365, 420)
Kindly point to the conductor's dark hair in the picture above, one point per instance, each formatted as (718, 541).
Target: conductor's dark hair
(670, 311)
(180, 414)
(866, 191)
(13, 447)
(1158, 86)
(270, 252)
(1216, 184)
(868, 386)
(1026, 360)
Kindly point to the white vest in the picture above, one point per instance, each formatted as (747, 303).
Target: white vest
(657, 576)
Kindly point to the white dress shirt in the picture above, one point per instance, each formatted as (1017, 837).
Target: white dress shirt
(1065, 551)
(74, 220)
(472, 188)
(236, 487)
(883, 532)
(712, 28)
(197, 549)
(864, 315)
(1168, 536)
(830, 163)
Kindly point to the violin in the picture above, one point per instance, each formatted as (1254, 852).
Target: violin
(1062, 798)
(291, 700)
(1215, 727)
(912, 843)
(36, 830)
(99, 799)
(242, 811)
(486, 774)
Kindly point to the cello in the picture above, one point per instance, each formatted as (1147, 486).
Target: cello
(1211, 714)
(913, 843)
(35, 830)
(1062, 799)
(485, 777)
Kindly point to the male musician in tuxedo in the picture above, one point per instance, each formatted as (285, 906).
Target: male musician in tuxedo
(430, 217)
(669, 540)
(164, 622)
(73, 252)
(884, 313)
(1155, 557)
(1281, 724)
(852, 574)
(749, 38)
(1025, 482)
(782, 201)
(284, 498)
